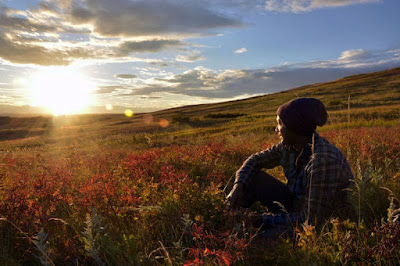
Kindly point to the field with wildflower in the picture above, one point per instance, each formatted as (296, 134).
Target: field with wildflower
(150, 189)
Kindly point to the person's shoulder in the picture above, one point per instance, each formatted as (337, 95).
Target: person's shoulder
(277, 147)
(324, 149)
(274, 149)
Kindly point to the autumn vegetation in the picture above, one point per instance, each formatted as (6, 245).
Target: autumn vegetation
(115, 190)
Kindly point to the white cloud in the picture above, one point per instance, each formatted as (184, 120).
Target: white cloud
(297, 6)
(231, 83)
(357, 54)
(190, 57)
(240, 51)
(360, 58)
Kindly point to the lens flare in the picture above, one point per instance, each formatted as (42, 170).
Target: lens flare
(148, 118)
(164, 122)
(128, 113)
(109, 107)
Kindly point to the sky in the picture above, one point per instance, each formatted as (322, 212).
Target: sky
(77, 56)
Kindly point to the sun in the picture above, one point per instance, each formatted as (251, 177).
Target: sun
(61, 91)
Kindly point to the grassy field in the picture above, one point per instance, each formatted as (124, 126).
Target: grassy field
(151, 188)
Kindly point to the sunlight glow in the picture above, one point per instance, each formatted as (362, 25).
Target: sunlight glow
(61, 91)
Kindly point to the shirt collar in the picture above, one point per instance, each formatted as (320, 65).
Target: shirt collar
(306, 153)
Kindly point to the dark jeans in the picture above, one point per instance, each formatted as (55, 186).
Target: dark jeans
(268, 190)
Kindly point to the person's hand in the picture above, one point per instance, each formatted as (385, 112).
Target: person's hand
(235, 197)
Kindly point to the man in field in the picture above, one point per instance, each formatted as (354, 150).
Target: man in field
(317, 172)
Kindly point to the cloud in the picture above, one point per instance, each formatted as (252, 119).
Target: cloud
(21, 50)
(21, 23)
(159, 64)
(33, 54)
(146, 46)
(150, 97)
(108, 89)
(27, 38)
(361, 59)
(357, 54)
(150, 18)
(338, 3)
(81, 15)
(240, 51)
(125, 76)
(48, 8)
(38, 21)
(297, 6)
(235, 5)
(60, 32)
(202, 82)
(190, 57)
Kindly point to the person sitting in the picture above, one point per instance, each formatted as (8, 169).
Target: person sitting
(317, 172)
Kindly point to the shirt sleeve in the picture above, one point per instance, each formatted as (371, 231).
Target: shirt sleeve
(269, 158)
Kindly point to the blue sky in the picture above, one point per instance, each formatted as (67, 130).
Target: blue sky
(157, 54)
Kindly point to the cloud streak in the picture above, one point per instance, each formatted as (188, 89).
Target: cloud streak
(108, 89)
(151, 46)
(125, 76)
(298, 6)
(240, 51)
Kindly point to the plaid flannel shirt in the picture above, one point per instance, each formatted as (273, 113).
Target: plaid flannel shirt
(324, 170)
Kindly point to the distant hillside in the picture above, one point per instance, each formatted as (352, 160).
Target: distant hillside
(374, 99)
(371, 97)
(365, 90)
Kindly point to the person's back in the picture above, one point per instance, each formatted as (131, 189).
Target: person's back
(330, 176)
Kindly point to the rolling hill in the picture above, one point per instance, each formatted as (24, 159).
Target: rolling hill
(374, 99)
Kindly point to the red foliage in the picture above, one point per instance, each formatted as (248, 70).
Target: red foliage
(221, 248)
(36, 191)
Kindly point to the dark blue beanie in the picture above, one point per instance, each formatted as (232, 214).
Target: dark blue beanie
(303, 115)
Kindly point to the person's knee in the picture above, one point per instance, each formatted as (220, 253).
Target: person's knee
(262, 178)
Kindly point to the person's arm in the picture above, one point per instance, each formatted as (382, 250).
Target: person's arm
(266, 159)
(269, 158)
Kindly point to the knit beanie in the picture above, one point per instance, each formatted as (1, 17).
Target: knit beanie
(303, 115)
